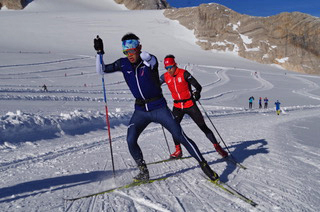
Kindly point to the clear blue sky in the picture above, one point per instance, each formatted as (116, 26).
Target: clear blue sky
(258, 7)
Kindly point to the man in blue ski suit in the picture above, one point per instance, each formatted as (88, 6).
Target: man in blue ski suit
(277, 103)
(140, 70)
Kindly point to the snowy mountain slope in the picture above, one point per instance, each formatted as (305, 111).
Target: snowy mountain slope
(54, 144)
(74, 6)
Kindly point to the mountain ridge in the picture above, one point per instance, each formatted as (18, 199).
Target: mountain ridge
(290, 40)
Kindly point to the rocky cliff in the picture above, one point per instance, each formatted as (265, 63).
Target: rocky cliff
(291, 40)
(13, 4)
(144, 4)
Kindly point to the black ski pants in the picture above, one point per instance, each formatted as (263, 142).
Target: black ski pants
(196, 115)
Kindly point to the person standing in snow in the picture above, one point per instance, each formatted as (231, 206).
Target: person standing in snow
(179, 82)
(45, 89)
(265, 102)
(250, 102)
(260, 103)
(140, 70)
(277, 103)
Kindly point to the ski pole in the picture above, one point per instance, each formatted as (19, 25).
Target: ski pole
(165, 137)
(221, 138)
(107, 116)
(214, 127)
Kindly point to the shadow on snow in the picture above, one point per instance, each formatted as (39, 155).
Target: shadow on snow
(33, 188)
(241, 152)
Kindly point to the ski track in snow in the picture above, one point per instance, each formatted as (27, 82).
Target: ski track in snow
(311, 86)
(224, 79)
(40, 63)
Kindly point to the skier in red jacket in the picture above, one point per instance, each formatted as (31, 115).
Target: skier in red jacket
(179, 82)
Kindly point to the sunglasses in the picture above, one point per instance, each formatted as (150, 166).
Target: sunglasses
(169, 67)
(130, 51)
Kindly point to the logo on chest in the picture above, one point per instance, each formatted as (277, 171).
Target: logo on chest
(179, 79)
(141, 71)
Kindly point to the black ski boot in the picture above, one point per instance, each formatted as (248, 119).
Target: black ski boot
(208, 171)
(143, 174)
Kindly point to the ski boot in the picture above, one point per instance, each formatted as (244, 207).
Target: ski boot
(208, 171)
(177, 154)
(220, 150)
(143, 174)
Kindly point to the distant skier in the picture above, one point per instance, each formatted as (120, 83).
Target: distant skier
(266, 100)
(98, 45)
(140, 70)
(179, 82)
(277, 103)
(45, 89)
(250, 102)
(260, 103)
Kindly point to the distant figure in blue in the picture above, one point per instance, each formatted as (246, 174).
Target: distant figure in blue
(260, 102)
(250, 102)
(277, 103)
(265, 102)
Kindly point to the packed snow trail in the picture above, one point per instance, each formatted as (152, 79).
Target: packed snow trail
(260, 151)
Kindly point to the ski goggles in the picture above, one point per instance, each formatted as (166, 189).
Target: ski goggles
(130, 51)
(168, 67)
(130, 44)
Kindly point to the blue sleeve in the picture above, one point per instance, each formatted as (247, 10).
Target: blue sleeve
(162, 79)
(113, 67)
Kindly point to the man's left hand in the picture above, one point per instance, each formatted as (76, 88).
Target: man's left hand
(196, 95)
(148, 60)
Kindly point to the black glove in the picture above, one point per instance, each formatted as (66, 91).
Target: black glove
(196, 95)
(98, 45)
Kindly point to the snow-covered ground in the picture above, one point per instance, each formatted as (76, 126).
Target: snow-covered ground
(54, 145)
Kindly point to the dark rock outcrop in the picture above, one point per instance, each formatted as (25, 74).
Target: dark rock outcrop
(144, 4)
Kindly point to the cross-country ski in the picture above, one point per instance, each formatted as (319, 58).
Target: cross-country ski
(130, 185)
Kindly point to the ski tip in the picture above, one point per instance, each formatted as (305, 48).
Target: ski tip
(252, 203)
(71, 199)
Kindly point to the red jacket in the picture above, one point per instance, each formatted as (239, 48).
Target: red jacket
(180, 87)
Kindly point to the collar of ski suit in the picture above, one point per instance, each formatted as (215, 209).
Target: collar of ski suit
(177, 72)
